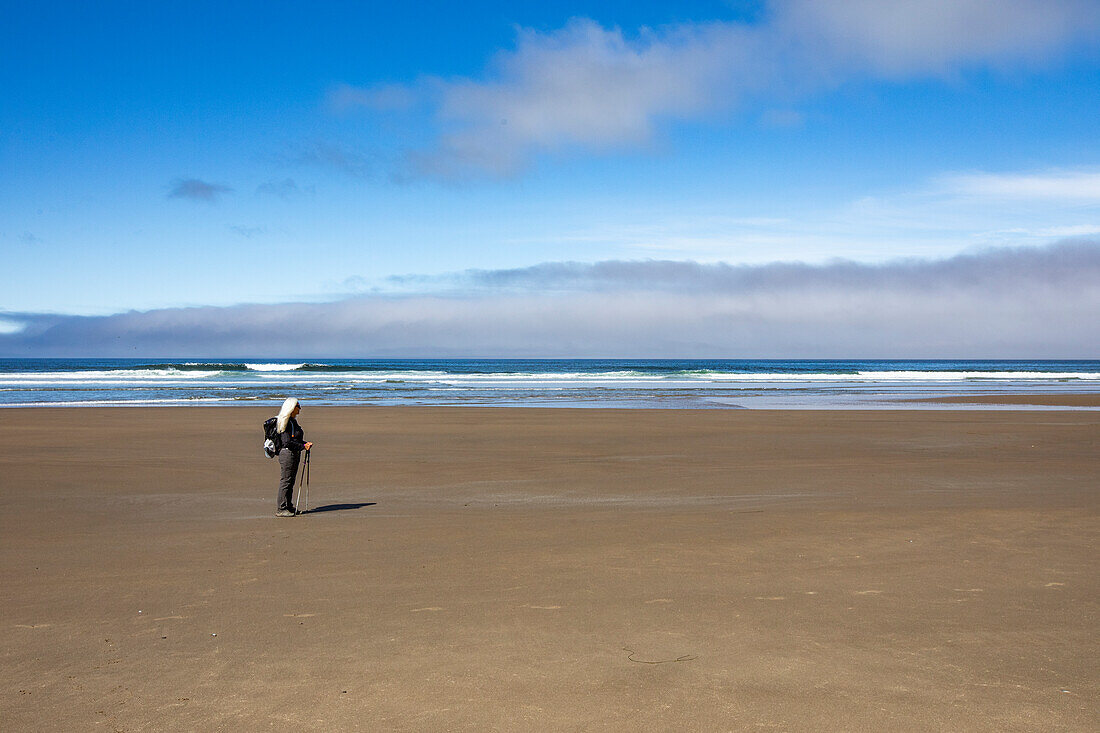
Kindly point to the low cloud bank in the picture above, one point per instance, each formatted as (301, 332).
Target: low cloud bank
(1007, 303)
(1068, 262)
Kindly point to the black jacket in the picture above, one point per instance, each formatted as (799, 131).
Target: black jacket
(293, 438)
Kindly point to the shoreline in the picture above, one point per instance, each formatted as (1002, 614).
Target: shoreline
(1069, 399)
(1056, 401)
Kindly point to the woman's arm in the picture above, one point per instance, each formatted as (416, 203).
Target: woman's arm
(294, 437)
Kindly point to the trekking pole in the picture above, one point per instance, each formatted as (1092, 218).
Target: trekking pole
(305, 484)
(297, 479)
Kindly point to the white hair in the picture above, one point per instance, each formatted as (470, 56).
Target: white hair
(284, 413)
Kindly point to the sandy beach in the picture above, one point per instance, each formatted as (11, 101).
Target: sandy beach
(1043, 400)
(557, 569)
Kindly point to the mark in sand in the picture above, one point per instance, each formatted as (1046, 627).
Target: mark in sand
(660, 600)
(542, 608)
(427, 608)
(684, 658)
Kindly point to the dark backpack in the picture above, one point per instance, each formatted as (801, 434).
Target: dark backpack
(271, 433)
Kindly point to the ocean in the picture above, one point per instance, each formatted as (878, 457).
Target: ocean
(620, 383)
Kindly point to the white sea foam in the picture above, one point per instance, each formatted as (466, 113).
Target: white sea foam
(111, 376)
(117, 403)
(274, 367)
(635, 377)
(288, 374)
(894, 376)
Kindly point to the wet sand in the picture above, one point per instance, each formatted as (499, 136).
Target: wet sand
(1045, 400)
(523, 569)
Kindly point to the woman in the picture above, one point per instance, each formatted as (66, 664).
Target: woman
(290, 442)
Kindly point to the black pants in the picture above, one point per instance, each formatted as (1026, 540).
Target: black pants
(288, 463)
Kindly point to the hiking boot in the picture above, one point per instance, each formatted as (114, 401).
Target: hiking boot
(284, 513)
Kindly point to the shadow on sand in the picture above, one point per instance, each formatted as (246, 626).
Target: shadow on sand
(338, 507)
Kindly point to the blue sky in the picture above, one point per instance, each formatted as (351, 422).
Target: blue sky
(164, 155)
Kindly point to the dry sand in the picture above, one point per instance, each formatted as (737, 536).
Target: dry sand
(522, 569)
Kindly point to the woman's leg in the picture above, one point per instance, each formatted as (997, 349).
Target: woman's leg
(288, 464)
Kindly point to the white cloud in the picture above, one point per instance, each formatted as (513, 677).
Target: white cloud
(9, 327)
(584, 85)
(1070, 186)
(899, 38)
(597, 88)
(1079, 230)
(385, 97)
